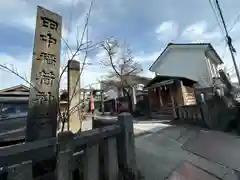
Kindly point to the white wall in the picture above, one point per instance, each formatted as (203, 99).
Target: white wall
(186, 62)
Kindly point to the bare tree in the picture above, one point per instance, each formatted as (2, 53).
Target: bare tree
(83, 47)
(122, 66)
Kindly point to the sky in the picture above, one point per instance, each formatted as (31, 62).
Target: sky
(146, 26)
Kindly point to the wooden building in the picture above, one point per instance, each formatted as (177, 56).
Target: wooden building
(166, 93)
(15, 99)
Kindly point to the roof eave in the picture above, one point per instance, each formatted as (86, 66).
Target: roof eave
(14, 87)
(177, 44)
(162, 53)
(216, 54)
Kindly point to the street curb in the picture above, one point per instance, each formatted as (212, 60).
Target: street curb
(146, 132)
(142, 133)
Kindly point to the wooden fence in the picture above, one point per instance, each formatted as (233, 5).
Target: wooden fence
(189, 113)
(141, 107)
(70, 157)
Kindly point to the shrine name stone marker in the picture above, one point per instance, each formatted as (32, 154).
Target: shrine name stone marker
(43, 105)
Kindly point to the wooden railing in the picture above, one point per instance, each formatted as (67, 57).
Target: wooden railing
(190, 113)
(74, 156)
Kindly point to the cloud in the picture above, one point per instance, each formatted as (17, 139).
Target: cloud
(70, 2)
(167, 30)
(198, 32)
(91, 74)
(17, 13)
(146, 31)
(16, 64)
(143, 57)
(24, 18)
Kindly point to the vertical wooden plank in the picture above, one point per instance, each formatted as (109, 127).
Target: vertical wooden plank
(183, 90)
(91, 162)
(160, 97)
(184, 115)
(111, 169)
(150, 100)
(20, 171)
(65, 155)
(42, 112)
(173, 102)
(180, 112)
(190, 112)
(205, 114)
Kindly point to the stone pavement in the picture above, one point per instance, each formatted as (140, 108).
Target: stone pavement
(219, 147)
(160, 155)
(177, 152)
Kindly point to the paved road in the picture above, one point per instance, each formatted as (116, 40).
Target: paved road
(177, 150)
(160, 155)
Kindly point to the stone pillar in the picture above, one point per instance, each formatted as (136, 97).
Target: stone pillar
(134, 100)
(44, 90)
(102, 102)
(74, 107)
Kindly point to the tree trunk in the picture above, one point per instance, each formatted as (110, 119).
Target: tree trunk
(129, 98)
(130, 106)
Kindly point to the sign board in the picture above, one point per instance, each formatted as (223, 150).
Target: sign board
(42, 114)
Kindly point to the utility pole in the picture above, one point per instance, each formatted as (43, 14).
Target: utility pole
(229, 42)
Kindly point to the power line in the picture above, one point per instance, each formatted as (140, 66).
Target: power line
(219, 24)
(230, 29)
(221, 16)
(228, 40)
(216, 16)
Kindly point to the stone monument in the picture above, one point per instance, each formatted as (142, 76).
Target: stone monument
(43, 105)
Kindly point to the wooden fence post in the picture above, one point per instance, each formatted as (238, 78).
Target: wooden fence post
(111, 171)
(65, 154)
(91, 162)
(126, 143)
(20, 171)
(205, 114)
